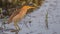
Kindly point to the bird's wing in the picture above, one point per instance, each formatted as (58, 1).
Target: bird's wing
(13, 15)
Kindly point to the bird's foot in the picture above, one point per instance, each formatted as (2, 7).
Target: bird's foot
(16, 30)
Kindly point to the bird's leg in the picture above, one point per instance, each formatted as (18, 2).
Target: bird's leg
(16, 26)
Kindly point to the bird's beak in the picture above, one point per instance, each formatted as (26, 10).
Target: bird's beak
(31, 7)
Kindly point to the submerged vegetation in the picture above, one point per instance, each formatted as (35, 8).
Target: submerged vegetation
(46, 20)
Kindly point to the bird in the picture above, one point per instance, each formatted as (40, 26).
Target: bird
(17, 16)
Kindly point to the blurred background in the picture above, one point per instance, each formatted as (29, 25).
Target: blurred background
(9, 6)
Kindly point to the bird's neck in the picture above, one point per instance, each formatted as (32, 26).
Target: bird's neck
(23, 11)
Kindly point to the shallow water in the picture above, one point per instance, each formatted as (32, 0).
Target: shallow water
(37, 18)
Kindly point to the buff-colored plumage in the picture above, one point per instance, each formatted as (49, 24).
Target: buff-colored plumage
(17, 16)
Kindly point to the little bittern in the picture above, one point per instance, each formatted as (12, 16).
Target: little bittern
(17, 16)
